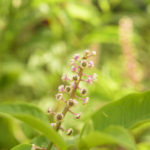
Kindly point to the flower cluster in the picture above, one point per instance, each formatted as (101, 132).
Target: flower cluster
(78, 66)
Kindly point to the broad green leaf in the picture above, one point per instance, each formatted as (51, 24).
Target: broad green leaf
(6, 132)
(127, 112)
(111, 136)
(122, 136)
(34, 117)
(40, 141)
(140, 130)
(28, 131)
(22, 147)
(23, 109)
(87, 128)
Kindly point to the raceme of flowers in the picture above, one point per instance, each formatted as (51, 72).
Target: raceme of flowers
(79, 64)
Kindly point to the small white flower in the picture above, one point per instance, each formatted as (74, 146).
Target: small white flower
(91, 64)
(94, 76)
(74, 69)
(69, 131)
(49, 111)
(59, 96)
(85, 100)
(75, 77)
(94, 53)
(76, 57)
(68, 89)
(61, 88)
(65, 78)
(78, 115)
(53, 125)
(72, 102)
(84, 63)
(84, 91)
(59, 117)
(87, 52)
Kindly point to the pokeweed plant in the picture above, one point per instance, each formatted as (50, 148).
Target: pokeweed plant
(115, 126)
(79, 63)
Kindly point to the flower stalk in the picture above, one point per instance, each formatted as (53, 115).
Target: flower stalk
(78, 65)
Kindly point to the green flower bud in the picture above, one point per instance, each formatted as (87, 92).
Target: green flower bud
(69, 131)
(59, 117)
(84, 63)
(68, 89)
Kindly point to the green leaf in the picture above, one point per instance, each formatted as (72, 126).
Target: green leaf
(111, 136)
(6, 132)
(41, 141)
(87, 128)
(127, 112)
(143, 146)
(22, 147)
(23, 109)
(34, 117)
(108, 34)
(83, 12)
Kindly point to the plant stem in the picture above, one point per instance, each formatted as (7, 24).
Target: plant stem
(64, 112)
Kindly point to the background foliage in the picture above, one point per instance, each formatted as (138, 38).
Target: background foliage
(37, 39)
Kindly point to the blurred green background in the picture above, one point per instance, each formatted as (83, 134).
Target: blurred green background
(38, 38)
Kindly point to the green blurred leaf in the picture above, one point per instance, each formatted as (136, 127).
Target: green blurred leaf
(143, 146)
(22, 147)
(6, 132)
(107, 34)
(33, 116)
(87, 128)
(40, 141)
(126, 112)
(83, 12)
(112, 136)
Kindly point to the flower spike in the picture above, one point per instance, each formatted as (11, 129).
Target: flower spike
(68, 92)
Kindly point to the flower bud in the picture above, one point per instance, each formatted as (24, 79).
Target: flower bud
(65, 78)
(74, 69)
(94, 76)
(85, 100)
(53, 125)
(84, 63)
(61, 88)
(76, 57)
(59, 117)
(77, 116)
(49, 111)
(90, 80)
(68, 89)
(86, 52)
(90, 64)
(94, 53)
(71, 102)
(59, 96)
(75, 77)
(84, 92)
(69, 131)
